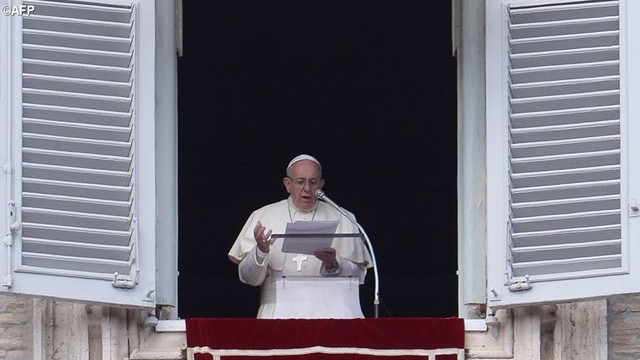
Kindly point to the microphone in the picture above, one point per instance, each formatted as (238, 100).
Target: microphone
(376, 295)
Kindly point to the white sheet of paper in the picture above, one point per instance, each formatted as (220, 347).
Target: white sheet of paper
(308, 245)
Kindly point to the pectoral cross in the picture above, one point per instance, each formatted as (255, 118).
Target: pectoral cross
(299, 259)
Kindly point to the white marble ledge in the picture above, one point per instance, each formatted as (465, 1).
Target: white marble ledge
(470, 325)
(171, 326)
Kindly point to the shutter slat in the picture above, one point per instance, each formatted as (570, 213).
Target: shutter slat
(563, 97)
(67, 273)
(77, 41)
(562, 23)
(83, 160)
(86, 250)
(568, 162)
(567, 186)
(566, 146)
(573, 37)
(574, 171)
(524, 205)
(566, 86)
(567, 231)
(82, 86)
(566, 221)
(87, 265)
(118, 41)
(566, 72)
(77, 100)
(79, 26)
(567, 236)
(567, 115)
(96, 127)
(85, 190)
(537, 144)
(77, 204)
(565, 101)
(538, 58)
(554, 83)
(563, 12)
(571, 9)
(566, 191)
(31, 65)
(76, 234)
(39, 112)
(539, 132)
(529, 159)
(567, 251)
(567, 265)
(76, 10)
(76, 56)
(574, 41)
(78, 154)
(71, 144)
(550, 178)
(77, 130)
(565, 56)
(76, 219)
(541, 150)
(565, 206)
(77, 174)
(585, 214)
(64, 161)
(77, 70)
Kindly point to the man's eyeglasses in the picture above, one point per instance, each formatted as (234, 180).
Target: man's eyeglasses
(301, 182)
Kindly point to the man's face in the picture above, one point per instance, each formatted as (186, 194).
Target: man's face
(303, 181)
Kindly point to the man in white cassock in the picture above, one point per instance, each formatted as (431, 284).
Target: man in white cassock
(261, 261)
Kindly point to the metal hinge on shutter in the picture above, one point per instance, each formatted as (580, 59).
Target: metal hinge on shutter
(520, 284)
(635, 209)
(125, 281)
(12, 227)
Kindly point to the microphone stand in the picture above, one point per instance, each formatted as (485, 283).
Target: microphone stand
(376, 296)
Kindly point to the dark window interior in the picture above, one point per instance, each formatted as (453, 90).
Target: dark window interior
(369, 88)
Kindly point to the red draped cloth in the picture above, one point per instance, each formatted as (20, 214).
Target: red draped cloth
(294, 339)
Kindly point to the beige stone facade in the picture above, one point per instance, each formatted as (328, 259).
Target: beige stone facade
(39, 329)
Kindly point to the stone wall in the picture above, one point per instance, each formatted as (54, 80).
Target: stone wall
(16, 342)
(624, 328)
(40, 329)
(45, 329)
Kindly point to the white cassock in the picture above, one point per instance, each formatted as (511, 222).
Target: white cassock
(352, 255)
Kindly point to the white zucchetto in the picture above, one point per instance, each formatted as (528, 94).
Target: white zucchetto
(300, 158)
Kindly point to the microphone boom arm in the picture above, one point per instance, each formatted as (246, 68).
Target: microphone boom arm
(376, 296)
